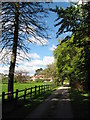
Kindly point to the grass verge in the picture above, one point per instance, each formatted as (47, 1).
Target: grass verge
(21, 108)
(80, 101)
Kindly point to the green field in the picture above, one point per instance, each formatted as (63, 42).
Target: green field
(21, 86)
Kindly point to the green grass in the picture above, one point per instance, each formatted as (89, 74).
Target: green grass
(21, 86)
(80, 101)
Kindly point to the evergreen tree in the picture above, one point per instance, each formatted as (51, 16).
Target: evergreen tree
(20, 23)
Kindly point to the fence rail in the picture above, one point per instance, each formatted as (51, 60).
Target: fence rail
(32, 91)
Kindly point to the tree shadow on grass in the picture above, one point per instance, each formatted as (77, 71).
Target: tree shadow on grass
(21, 108)
(80, 101)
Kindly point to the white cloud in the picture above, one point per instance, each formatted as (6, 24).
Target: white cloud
(20, 56)
(48, 60)
(53, 48)
(45, 61)
(8, 23)
(5, 54)
(24, 28)
(4, 69)
(25, 56)
(38, 40)
(34, 55)
(30, 70)
(31, 66)
(33, 63)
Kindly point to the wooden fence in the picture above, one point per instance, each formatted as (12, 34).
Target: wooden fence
(33, 91)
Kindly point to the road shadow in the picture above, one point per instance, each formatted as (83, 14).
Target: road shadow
(80, 102)
(56, 106)
(21, 108)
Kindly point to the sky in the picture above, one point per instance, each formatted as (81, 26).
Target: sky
(40, 55)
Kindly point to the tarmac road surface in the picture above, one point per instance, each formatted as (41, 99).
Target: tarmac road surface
(56, 105)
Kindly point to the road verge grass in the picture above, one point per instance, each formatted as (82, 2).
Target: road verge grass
(80, 101)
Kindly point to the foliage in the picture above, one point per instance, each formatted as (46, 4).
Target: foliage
(75, 19)
(30, 24)
(4, 79)
(50, 71)
(38, 71)
(39, 80)
(74, 60)
(70, 62)
(21, 76)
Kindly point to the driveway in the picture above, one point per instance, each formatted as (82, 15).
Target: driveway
(57, 105)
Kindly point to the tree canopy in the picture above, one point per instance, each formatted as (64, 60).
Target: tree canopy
(31, 26)
(73, 52)
(50, 71)
(70, 62)
(38, 71)
(75, 19)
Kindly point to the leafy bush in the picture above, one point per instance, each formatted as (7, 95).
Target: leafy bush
(4, 80)
(39, 80)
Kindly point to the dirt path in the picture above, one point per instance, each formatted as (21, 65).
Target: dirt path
(56, 105)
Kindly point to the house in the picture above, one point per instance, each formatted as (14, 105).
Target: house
(34, 78)
(41, 77)
(37, 77)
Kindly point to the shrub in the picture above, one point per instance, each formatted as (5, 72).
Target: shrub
(4, 80)
(39, 80)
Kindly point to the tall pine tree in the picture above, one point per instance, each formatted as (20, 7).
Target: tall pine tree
(20, 23)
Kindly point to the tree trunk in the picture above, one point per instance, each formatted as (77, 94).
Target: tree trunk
(14, 52)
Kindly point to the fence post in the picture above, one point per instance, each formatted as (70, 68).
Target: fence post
(39, 89)
(3, 97)
(35, 90)
(25, 94)
(31, 92)
(10, 96)
(44, 88)
(16, 94)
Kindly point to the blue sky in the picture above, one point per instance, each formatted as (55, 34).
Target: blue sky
(45, 50)
(41, 55)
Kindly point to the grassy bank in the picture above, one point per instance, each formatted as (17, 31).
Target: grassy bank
(80, 101)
